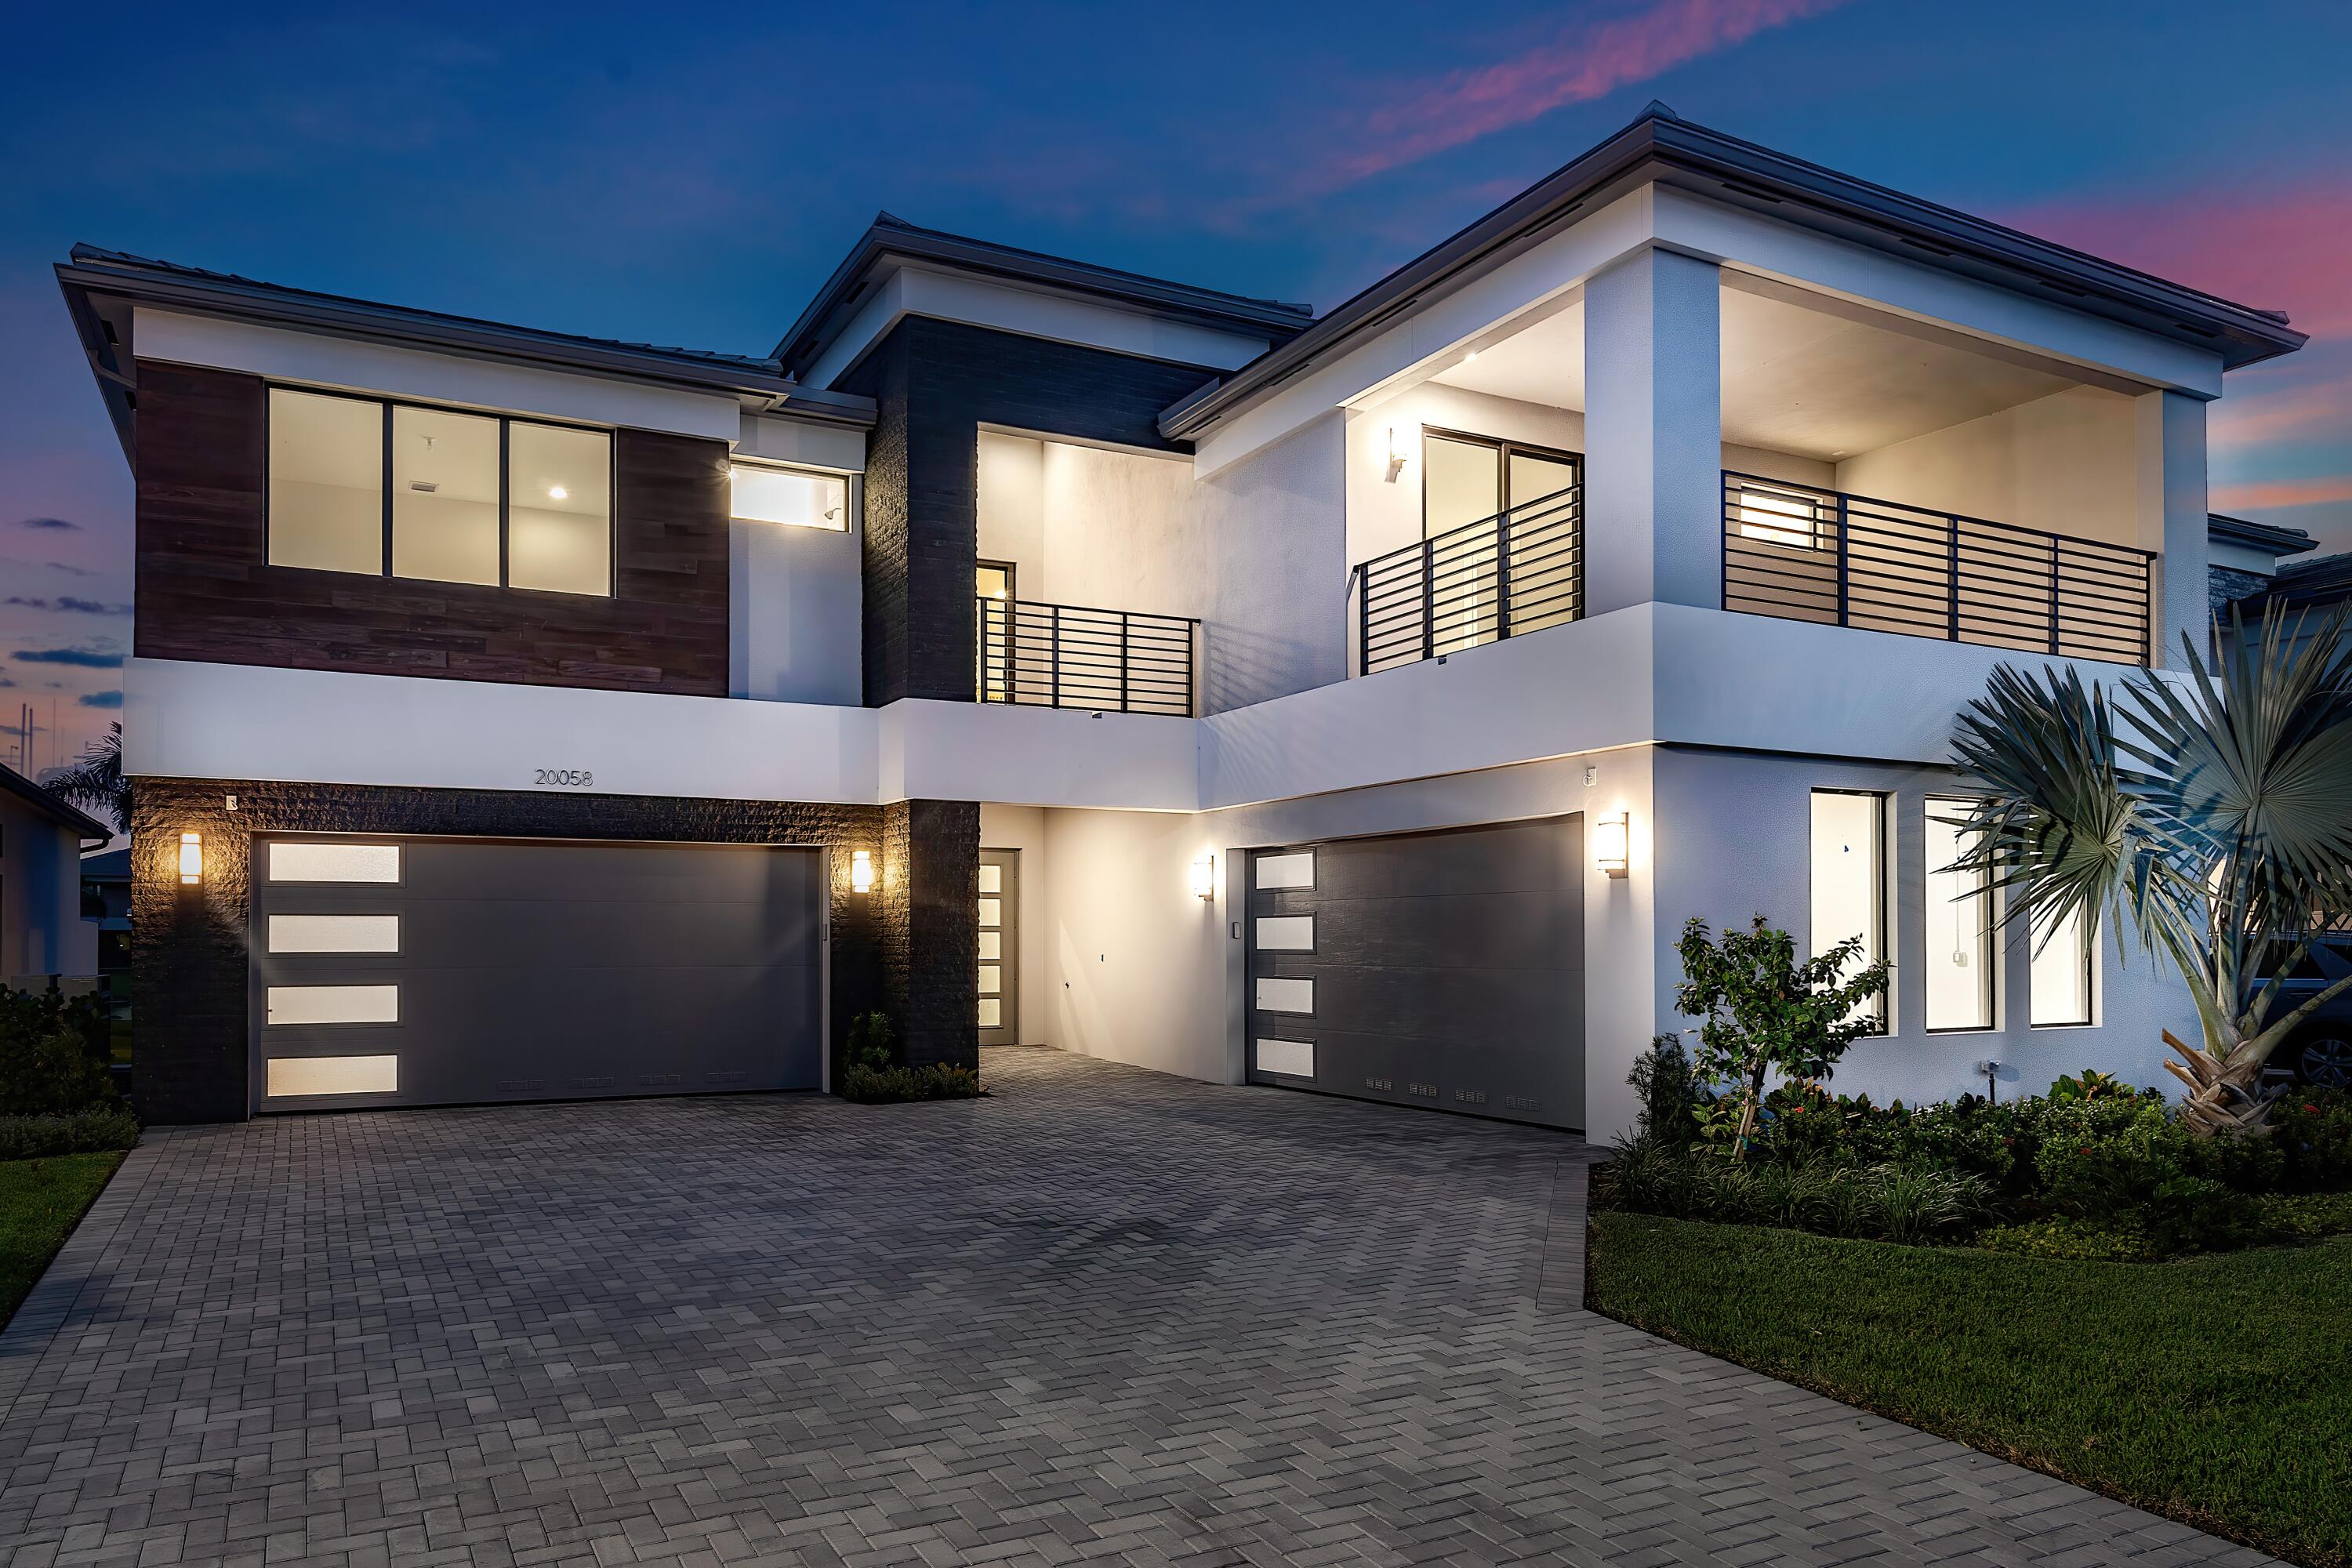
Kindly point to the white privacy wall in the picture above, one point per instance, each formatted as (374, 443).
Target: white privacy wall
(1275, 525)
(794, 599)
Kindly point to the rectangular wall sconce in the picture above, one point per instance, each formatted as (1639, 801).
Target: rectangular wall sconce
(191, 859)
(861, 871)
(1610, 838)
(1204, 878)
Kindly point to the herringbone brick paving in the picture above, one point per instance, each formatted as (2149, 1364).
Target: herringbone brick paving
(1104, 1316)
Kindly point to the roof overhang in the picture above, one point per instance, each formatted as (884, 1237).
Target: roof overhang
(888, 243)
(52, 805)
(1663, 149)
(99, 285)
(2266, 538)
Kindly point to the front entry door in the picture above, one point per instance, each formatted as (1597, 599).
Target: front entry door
(1000, 947)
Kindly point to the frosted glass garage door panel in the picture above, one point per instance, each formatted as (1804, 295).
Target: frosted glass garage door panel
(1275, 995)
(334, 1004)
(1291, 1058)
(1276, 871)
(292, 1075)
(334, 862)
(1285, 933)
(334, 933)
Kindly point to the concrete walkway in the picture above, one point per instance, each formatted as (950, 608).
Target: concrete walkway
(1104, 1316)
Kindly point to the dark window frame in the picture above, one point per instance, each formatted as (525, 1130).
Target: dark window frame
(505, 424)
(1890, 939)
(1503, 448)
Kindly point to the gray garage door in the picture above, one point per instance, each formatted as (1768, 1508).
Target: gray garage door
(446, 971)
(1443, 970)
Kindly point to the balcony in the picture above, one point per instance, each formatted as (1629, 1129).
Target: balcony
(1807, 554)
(1516, 572)
(1067, 656)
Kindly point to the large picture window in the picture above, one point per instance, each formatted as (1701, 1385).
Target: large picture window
(1469, 478)
(362, 485)
(1849, 877)
(1957, 918)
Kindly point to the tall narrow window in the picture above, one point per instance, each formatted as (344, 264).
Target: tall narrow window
(445, 496)
(559, 509)
(2058, 980)
(326, 482)
(1849, 855)
(1959, 925)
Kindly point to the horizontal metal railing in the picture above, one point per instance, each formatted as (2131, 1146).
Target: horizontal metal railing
(1516, 572)
(1809, 554)
(1066, 656)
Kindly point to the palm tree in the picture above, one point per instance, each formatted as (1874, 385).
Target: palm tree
(96, 783)
(2214, 811)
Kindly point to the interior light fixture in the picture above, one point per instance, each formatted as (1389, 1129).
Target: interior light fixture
(861, 871)
(192, 859)
(1205, 878)
(557, 492)
(1609, 838)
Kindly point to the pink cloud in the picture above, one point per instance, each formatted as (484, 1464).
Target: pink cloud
(2282, 248)
(2260, 495)
(2321, 409)
(1583, 63)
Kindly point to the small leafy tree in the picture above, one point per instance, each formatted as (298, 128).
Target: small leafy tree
(1762, 1008)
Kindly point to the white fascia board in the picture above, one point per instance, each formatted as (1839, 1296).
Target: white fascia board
(912, 290)
(1530, 283)
(1748, 241)
(2241, 558)
(184, 719)
(347, 365)
(780, 438)
(1039, 756)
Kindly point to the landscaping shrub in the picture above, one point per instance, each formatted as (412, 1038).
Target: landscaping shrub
(53, 1054)
(2313, 1130)
(2303, 1217)
(83, 1132)
(887, 1085)
(1668, 1086)
(2121, 1240)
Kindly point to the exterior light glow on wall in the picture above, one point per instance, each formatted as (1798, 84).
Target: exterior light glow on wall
(1609, 843)
(191, 859)
(861, 871)
(1399, 451)
(1204, 878)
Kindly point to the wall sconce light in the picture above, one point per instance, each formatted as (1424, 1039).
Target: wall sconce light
(861, 871)
(1610, 838)
(191, 859)
(1398, 455)
(1204, 878)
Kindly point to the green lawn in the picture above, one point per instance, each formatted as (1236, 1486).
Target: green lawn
(40, 1200)
(2216, 1390)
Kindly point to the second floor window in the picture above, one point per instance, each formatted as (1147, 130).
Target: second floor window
(361, 485)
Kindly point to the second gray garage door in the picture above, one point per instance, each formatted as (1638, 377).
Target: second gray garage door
(444, 971)
(1443, 970)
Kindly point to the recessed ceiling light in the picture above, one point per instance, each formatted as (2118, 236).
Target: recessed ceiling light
(557, 492)
(1471, 355)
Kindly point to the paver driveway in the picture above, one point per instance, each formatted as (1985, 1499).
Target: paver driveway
(1105, 1315)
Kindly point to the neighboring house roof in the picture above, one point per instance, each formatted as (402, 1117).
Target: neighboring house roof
(1664, 148)
(107, 866)
(52, 805)
(2306, 584)
(2268, 538)
(94, 275)
(894, 238)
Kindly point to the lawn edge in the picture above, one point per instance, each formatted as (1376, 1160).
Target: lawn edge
(2180, 1513)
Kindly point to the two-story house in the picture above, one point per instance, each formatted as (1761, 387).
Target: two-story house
(1356, 702)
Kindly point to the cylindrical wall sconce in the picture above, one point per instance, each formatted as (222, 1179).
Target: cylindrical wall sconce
(1610, 840)
(191, 859)
(861, 871)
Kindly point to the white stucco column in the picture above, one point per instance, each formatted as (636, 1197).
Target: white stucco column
(1652, 433)
(2169, 497)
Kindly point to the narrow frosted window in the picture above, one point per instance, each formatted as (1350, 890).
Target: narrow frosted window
(559, 509)
(445, 496)
(1285, 933)
(334, 1004)
(1291, 1058)
(334, 862)
(2058, 981)
(1277, 996)
(1849, 892)
(326, 482)
(334, 933)
(1958, 920)
(292, 1075)
(1292, 871)
(793, 497)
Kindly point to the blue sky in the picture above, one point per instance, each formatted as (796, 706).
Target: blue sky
(591, 169)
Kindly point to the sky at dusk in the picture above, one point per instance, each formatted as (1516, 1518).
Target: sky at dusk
(688, 175)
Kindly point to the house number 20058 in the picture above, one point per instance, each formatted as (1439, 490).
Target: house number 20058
(566, 778)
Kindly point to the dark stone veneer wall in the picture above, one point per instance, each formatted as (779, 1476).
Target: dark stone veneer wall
(910, 946)
(934, 383)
